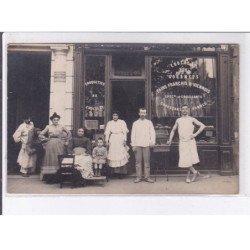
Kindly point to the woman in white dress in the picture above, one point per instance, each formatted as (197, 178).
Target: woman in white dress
(24, 134)
(116, 140)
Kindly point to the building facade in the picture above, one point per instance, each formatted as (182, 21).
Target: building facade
(85, 82)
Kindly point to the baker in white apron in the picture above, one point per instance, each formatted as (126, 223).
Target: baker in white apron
(188, 155)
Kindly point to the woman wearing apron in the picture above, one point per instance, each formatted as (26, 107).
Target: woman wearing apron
(188, 155)
(116, 138)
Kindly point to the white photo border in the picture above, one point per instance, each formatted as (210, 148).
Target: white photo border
(131, 204)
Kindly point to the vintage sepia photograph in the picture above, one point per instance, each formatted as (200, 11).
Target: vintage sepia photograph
(122, 118)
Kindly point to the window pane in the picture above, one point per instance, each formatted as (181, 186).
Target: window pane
(184, 80)
(94, 97)
(127, 65)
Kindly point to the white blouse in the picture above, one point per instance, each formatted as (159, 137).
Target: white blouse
(116, 127)
(56, 131)
(143, 133)
(21, 134)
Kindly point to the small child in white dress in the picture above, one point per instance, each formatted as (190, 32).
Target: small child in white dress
(99, 157)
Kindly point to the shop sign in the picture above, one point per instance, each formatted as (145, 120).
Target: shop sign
(166, 99)
(94, 83)
(182, 85)
(91, 124)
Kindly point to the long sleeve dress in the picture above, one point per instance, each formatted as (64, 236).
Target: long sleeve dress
(79, 142)
(25, 160)
(54, 147)
(116, 134)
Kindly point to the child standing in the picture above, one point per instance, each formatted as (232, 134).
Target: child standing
(188, 155)
(99, 157)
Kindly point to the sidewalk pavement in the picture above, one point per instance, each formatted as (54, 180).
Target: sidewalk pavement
(205, 184)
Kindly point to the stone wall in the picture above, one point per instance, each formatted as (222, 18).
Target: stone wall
(62, 80)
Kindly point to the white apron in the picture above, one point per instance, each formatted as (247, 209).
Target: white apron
(188, 154)
(118, 153)
(116, 134)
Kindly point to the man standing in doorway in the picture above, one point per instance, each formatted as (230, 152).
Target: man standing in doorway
(142, 138)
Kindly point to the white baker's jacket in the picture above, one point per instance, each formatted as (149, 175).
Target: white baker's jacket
(143, 133)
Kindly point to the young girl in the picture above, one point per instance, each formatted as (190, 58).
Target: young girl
(188, 155)
(99, 157)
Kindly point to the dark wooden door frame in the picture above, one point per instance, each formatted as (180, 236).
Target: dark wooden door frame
(78, 81)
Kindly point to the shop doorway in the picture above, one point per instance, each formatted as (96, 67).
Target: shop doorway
(28, 92)
(128, 97)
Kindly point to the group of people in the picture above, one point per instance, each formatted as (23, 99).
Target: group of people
(112, 150)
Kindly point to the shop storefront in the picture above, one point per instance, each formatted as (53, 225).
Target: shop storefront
(161, 78)
(85, 82)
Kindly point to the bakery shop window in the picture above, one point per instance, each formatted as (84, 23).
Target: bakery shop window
(184, 80)
(94, 93)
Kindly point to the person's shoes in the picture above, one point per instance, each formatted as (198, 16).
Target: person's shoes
(149, 180)
(25, 175)
(137, 180)
(195, 176)
(188, 180)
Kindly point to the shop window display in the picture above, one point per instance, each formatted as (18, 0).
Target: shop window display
(94, 93)
(184, 80)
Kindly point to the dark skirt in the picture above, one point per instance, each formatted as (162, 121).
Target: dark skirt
(121, 170)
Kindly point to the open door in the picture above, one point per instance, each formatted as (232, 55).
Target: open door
(127, 98)
(28, 92)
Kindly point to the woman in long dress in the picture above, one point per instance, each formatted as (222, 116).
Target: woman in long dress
(56, 145)
(116, 138)
(24, 134)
